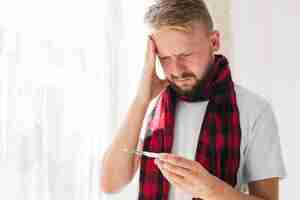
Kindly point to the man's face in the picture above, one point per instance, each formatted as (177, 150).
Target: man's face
(185, 57)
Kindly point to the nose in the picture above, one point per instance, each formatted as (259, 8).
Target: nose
(178, 68)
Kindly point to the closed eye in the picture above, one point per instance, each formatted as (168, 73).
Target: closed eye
(186, 55)
(163, 58)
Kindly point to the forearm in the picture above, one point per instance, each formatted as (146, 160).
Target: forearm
(117, 166)
(225, 191)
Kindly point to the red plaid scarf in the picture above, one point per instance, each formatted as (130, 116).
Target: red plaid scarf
(218, 147)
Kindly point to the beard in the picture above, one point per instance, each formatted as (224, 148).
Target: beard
(194, 90)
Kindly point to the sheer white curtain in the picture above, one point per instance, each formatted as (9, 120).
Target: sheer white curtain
(67, 73)
(127, 37)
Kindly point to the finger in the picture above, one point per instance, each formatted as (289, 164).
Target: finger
(184, 184)
(151, 47)
(152, 41)
(187, 174)
(180, 185)
(177, 173)
(176, 180)
(150, 56)
(192, 165)
(179, 161)
(168, 174)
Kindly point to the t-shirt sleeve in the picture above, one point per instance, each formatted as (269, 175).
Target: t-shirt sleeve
(264, 156)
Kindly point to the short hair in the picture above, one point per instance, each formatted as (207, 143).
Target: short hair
(178, 14)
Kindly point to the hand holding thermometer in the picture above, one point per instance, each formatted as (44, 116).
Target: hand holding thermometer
(141, 153)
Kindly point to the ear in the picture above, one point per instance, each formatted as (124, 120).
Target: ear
(215, 40)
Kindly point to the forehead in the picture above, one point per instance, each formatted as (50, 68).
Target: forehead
(176, 41)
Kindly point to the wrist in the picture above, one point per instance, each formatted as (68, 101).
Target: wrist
(217, 189)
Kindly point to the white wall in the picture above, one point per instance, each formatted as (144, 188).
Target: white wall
(285, 88)
(266, 41)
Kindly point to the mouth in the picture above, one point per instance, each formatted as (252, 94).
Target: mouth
(183, 80)
(185, 83)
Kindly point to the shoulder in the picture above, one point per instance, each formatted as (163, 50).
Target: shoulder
(251, 99)
(257, 117)
(251, 105)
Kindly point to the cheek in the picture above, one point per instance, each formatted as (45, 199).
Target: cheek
(194, 67)
(197, 65)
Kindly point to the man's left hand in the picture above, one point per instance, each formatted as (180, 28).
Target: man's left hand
(189, 176)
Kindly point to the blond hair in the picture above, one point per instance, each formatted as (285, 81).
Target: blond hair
(178, 14)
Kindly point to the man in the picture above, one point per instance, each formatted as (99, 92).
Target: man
(213, 135)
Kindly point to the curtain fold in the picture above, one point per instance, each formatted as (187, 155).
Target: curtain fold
(59, 97)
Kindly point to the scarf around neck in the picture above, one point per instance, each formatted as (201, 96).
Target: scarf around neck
(218, 148)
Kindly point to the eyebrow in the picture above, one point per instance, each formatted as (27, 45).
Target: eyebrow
(186, 52)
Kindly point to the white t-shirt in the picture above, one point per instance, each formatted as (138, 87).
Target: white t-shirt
(261, 155)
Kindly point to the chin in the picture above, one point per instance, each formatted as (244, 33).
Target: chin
(186, 89)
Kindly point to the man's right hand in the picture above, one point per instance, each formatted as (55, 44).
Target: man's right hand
(150, 84)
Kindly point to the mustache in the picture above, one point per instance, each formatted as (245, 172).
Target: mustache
(183, 76)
